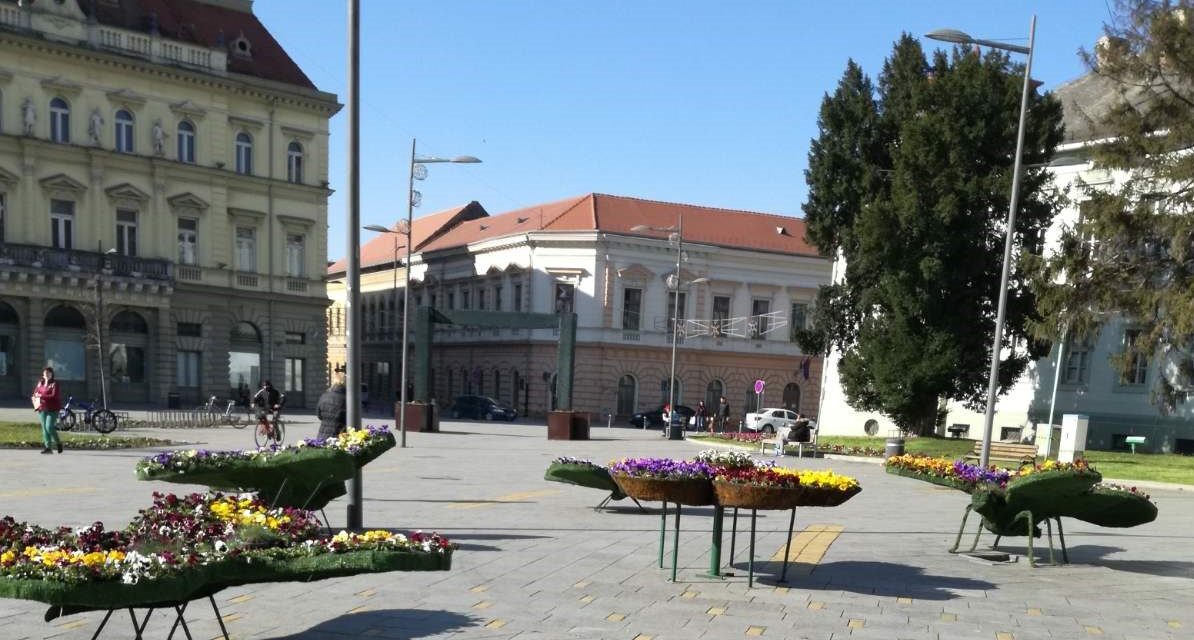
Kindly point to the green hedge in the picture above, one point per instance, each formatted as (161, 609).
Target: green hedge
(583, 475)
(952, 483)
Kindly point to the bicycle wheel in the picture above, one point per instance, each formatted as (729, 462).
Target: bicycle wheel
(279, 431)
(66, 420)
(104, 421)
(259, 437)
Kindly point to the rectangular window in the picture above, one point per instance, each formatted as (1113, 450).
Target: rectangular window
(295, 255)
(564, 297)
(1137, 373)
(67, 357)
(124, 134)
(186, 142)
(676, 311)
(481, 299)
(188, 368)
(632, 307)
(126, 232)
(189, 330)
(760, 322)
(464, 298)
(518, 297)
(451, 301)
(799, 318)
(246, 249)
(1077, 362)
(188, 241)
(497, 294)
(721, 315)
(296, 337)
(62, 224)
(127, 363)
(294, 374)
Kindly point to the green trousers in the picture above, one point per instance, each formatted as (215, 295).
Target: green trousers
(49, 428)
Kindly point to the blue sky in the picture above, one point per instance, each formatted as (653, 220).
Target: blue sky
(694, 101)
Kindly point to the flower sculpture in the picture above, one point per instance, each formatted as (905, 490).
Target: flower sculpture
(194, 544)
(583, 473)
(664, 479)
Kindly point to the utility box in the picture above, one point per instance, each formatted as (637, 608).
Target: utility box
(1073, 437)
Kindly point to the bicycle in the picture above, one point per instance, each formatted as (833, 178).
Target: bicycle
(228, 417)
(100, 419)
(271, 429)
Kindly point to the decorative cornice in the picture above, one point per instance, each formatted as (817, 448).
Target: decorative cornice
(245, 123)
(686, 276)
(188, 109)
(635, 272)
(767, 289)
(306, 223)
(246, 214)
(188, 201)
(63, 182)
(61, 86)
(7, 177)
(126, 191)
(296, 132)
(567, 272)
(5, 76)
(127, 97)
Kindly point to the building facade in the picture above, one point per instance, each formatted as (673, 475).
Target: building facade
(755, 277)
(163, 202)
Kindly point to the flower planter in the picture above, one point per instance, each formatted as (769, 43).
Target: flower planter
(941, 481)
(825, 497)
(754, 496)
(583, 475)
(695, 492)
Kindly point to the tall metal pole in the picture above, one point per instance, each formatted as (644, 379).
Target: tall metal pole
(410, 214)
(997, 344)
(99, 334)
(393, 316)
(1056, 379)
(671, 391)
(353, 286)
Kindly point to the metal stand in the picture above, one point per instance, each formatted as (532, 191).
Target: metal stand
(783, 575)
(179, 621)
(662, 532)
(610, 497)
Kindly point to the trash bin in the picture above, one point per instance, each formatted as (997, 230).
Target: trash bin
(173, 400)
(676, 428)
(895, 447)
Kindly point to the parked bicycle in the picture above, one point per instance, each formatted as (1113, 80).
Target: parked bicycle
(94, 416)
(231, 414)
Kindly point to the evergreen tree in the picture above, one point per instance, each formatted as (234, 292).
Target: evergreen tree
(1131, 250)
(909, 185)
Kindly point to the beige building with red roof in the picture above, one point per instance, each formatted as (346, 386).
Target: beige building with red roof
(168, 159)
(585, 255)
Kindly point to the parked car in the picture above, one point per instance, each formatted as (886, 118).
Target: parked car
(654, 417)
(770, 420)
(481, 407)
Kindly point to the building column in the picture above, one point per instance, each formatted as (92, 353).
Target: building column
(161, 379)
(34, 349)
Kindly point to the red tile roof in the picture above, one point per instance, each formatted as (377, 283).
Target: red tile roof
(618, 214)
(205, 24)
(380, 250)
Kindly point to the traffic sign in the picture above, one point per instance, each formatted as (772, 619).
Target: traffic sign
(760, 384)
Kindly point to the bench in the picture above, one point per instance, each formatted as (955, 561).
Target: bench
(1021, 454)
(1132, 441)
(778, 442)
(958, 430)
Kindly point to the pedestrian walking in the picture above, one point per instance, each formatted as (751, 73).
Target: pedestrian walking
(47, 401)
(332, 409)
(702, 417)
(723, 413)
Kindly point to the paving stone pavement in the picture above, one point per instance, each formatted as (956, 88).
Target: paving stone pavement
(536, 562)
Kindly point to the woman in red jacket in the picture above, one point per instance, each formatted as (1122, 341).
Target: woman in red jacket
(48, 401)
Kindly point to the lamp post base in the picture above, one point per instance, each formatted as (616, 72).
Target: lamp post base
(419, 417)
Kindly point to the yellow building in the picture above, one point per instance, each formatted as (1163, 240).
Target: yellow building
(163, 194)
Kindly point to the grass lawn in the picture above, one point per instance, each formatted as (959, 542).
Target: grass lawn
(27, 435)
(1157, 467)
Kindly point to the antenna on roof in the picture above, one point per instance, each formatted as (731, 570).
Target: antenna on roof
(482, 227)
(522, 219)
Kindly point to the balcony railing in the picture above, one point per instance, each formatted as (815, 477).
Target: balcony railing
(73, 260)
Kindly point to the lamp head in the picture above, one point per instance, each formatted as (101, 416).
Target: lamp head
(376, 227)
(466, 160)
(950, 35)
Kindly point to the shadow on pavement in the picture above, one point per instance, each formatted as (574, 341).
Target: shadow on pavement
(1096, 555)
(409, 623)
(871, 578)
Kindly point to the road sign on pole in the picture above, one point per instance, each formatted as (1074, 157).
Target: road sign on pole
(760, 384)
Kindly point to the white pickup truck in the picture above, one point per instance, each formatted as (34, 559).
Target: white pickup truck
(770, 421)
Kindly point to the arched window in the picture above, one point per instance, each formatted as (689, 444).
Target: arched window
(665, 389)
(124, 131)
(792, 397)
(65, 334)
(129, 344)
(10, 337)
(128, 322)
(294, 163)
(497, 384)
(244, 360)
(186, 142)
(627, 395)
(64, 317)
(244, 154)
(713, 393)
(59, 121)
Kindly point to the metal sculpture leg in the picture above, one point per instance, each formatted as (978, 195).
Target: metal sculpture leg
(662, 532)
(676, 543)
(180, 611)
(996, 543)
(139, 628)
(640, 507)
(219, 617)
(962, 529)
(601, 505)
(102, 623)
(1031, 553)
(783, 575)
(1049, 528)
(750, 561)
(733, 535)
(1065, 557)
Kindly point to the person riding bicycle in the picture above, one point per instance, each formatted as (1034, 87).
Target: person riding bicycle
(268, 400)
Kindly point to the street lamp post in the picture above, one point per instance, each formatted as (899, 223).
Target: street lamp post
(952, 35)
(674, 283)
(417, 172)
